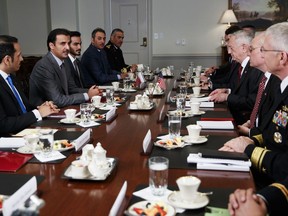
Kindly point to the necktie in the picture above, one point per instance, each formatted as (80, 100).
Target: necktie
(239, 73)
(63, 78)
(20, 102)
(76, 65)
(258, 100)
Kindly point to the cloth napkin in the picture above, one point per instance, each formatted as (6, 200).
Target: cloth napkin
(147, 195)
(164, 137)
(54, 155)
(91, 124)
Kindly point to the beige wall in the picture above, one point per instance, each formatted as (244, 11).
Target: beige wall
(195, 21)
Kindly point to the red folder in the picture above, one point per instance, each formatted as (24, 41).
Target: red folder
(12, 161)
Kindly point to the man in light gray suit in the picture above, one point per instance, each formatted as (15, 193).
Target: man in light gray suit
(51, 79)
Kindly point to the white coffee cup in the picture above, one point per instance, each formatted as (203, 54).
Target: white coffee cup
(70, 114)
(194, 107)
(96, 100)
(115, 86)
(188, 187)
(196, 90)
(79, 168)
(194, 131)
(196, 80)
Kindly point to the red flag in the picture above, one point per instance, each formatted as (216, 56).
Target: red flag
(161, 81)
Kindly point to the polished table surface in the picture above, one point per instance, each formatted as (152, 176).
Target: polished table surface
(122, 138)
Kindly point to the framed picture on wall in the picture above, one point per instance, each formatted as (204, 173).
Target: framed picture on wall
(259, 13)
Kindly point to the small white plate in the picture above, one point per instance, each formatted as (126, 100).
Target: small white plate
(143, 205)
(176, 201)
(197, 96)
(199, 113)
(129, 90)
(67, 121)
(27, 149)
(142, 109)
(200, 140)
(185, 114)
(163, 144)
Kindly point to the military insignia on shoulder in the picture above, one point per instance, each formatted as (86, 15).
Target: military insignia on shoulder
(108, 46)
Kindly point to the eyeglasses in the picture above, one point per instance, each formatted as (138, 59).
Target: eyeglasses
(253, 48)
(262, 49)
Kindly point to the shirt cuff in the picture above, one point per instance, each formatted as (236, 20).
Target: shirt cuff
(86, 96)
(228, 91)
(37, 114)
(119, 77)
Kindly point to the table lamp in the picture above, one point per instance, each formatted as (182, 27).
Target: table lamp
(228, 17)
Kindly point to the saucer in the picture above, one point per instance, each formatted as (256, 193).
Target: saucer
(176, 201)
(200, 140)
(199, 113)
(67, 121)
(197, 96)
(142, 205)
(169, 144)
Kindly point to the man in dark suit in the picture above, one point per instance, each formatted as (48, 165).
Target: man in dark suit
(95, 63)
(72, 61)
(16, 113)
(268, 151)
(50, 78)
(266, 98)
(242, 94)
(115, 54)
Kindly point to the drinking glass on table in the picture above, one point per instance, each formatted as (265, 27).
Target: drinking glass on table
(109, 96)
(85, 111)
(174, 125)
(158, 175)
(46, 141)
(180, 103)
(183, 90)
(126, 83)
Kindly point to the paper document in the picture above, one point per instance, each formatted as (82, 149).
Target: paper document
(11, 142)
(196, 158)
(207, 104)
(216, 124)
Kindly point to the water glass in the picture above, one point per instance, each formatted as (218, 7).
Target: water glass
(158, 175)
(46, 141)
(126, 83)
(174, 125)
(183, 90)
(109, 96)
(85, 111)
(180, 102)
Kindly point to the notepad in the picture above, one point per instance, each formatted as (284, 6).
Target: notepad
(216, 125)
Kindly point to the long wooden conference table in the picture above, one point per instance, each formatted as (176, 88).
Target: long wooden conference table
(122, 138)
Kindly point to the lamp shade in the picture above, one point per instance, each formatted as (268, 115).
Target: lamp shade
(228, 17)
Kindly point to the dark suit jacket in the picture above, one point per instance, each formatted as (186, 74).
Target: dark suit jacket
(12, 120)
(275, 195)
(242, 98)
(225, 77)
(46, 84)
(271, 155)
(115, 57)
(96, 67)
(78, 80)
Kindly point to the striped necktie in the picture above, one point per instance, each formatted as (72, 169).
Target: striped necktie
(16, 94)
(257, 102)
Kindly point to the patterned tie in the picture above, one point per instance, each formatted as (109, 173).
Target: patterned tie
(20, 102)
(63, 77)
(258, 100)
(239, 73)
(76, 65)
